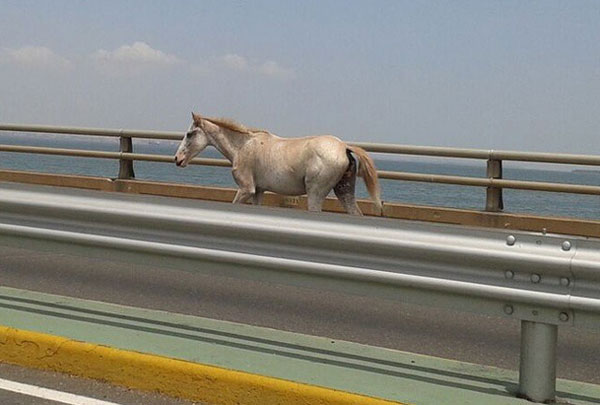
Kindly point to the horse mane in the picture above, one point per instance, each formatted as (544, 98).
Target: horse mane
(232, 125)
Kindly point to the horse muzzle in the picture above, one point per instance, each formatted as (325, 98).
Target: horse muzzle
(180, 162)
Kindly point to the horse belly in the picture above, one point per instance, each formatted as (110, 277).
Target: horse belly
(284, 165)
(282, 183)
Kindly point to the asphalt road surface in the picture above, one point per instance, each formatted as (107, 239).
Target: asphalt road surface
(67, 389)
(378, 322)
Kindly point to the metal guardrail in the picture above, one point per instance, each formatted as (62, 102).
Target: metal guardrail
(545, 281)
(561, 158)
(493, 181)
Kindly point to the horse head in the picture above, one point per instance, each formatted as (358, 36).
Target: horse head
(194, 142)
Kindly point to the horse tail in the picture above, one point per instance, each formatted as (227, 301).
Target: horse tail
(368, 172)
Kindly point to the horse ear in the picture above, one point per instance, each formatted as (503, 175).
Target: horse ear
(196, 117)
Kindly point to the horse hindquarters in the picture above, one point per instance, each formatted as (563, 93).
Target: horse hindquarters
(322, 175)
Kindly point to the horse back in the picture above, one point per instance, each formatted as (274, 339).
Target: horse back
(285, 163)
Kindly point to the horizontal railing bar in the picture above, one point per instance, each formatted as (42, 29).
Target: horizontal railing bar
(540, 157)
(170, 159)
(435, 151)
(423, 150)
(131, 133)
(60, 151)
(418, 177)
(108, 155)
(490, 182)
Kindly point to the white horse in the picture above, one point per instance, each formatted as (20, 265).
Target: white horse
(263, 162)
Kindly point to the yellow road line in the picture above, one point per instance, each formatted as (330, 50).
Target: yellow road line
(181, 379)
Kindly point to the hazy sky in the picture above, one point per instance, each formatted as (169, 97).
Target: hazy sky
(521, 75)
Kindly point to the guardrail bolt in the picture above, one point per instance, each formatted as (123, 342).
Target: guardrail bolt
(508, 309)
(566, 246)
(565, 281)
(509, 274)
(563, 316)
(510, 240)
(536, 278)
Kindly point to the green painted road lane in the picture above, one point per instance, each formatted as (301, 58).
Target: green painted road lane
(318, 361)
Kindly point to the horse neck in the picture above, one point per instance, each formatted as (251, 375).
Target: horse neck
(228, 142)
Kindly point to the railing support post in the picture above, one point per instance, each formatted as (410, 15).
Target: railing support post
(126, 166)
(493, 201)
(537, 373)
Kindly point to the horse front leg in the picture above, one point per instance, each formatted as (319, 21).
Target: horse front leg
(242, 196)
(246, 185)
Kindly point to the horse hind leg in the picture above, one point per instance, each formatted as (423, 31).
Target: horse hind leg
(315, 197)
(257, 197)
(344, 189)
(318, 185)
(318, 182)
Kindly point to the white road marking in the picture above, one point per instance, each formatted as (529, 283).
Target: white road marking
(53, 395)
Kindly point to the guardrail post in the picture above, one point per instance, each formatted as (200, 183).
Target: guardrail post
(493, 201)
(537, 372)
(126, 166)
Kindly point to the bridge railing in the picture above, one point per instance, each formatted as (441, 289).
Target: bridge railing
(493, 182)
(544, 281)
